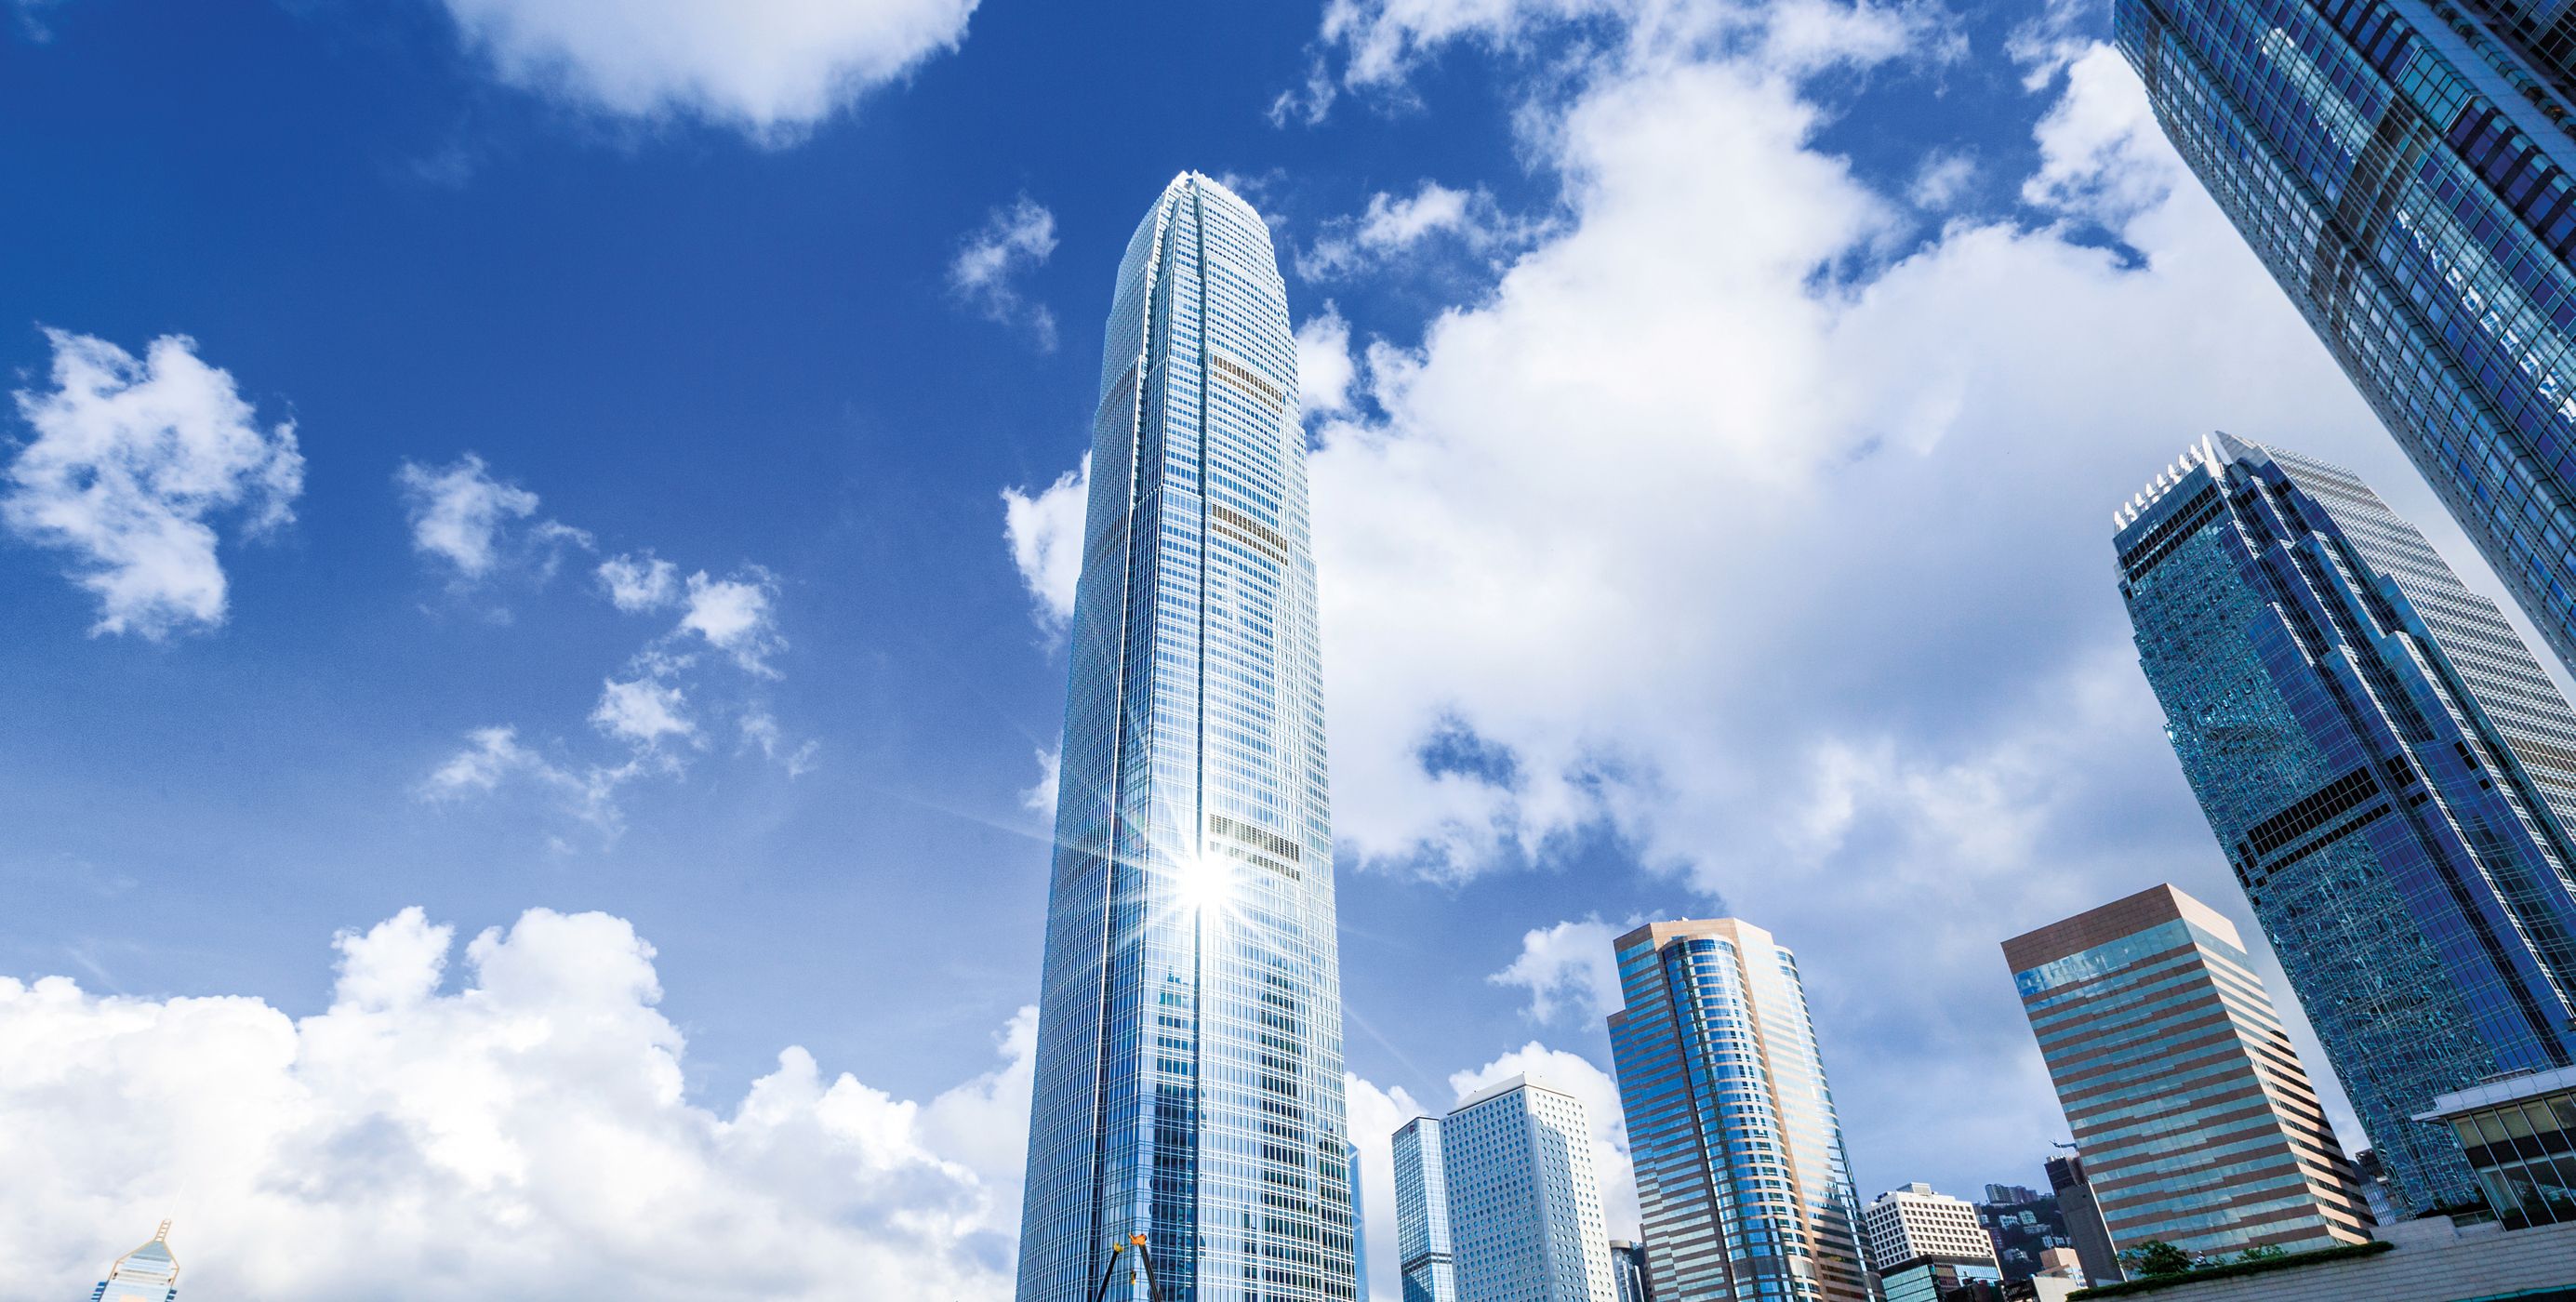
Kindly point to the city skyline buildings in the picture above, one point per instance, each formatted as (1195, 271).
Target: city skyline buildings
(2196, 1121)
(1188, 1075)
(2386, 767)
(1743, 1185)
(2403, 169)
(1525, 1219)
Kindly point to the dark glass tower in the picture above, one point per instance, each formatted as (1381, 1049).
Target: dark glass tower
(2403, 169)
(1189, 1062)
(2387, 769)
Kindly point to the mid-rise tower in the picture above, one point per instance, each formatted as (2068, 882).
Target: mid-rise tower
(1422, 1214)
(1189, 1060)
(2197, 1124)
(1524, 1202)
(1741, 1176)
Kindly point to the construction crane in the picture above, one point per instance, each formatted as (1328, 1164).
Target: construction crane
(1144, 1261)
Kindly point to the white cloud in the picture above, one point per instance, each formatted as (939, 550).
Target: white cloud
(760, 730)
(737, 616)
(1943, 177)
(1374, 1116)
(640, 710)
(990, 261)
(1040, 796)
(470, 521)
(1325, 369)
(772, 69)
(1392, 226)
(1045, 533)
(1567, 969)
(493, 756)
(484, 1138)
(639, 583)
(133, 463)
(1574, 1074)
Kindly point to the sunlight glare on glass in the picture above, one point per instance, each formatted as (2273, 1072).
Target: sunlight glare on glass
(1205, 881)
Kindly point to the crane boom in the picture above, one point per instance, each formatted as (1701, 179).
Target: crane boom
(1144, 1261)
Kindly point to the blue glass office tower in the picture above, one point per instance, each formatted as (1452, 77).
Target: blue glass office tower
(2386, 768)
(1742, 1180)
(2402, 166)
(1422, 1214)
(1189, 1061)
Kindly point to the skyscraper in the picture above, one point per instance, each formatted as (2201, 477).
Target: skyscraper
(1422, 1214)
(1524, 1203)
(2084, 1223)
(2386, 768)
(1189, 1060)
(1741, 1176)
(147, 1274)
(2198, 1126)
(2402, 166)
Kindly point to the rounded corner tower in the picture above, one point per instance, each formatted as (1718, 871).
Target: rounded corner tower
(1189, 1061)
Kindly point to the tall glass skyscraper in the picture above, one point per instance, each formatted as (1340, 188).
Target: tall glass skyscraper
(1422, 1214)
(2387, 770)
(1189, 1061)
(147, 1274)
(2402, 166)
(1741, 1176)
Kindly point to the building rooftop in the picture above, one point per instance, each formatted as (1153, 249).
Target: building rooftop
(2503, 1089)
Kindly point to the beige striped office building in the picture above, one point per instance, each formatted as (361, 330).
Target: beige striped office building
(2197, 1124)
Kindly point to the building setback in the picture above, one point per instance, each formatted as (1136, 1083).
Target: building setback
(1422, 1214)
(2402, 167)
(2386, 768)
(2197, 1124)
(1742, 1181)
(1524, 1204)
(1628, 1267)
(1189, 1058)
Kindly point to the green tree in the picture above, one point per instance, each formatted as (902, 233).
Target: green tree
(2263, 1252)
(2157, 1257)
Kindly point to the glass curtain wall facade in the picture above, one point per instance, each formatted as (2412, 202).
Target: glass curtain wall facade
(2403, 168)
(2387, 769)
(1422, 1214)
(1189, 1062)
(147, 1274)
(1742, 1181)
(2197, 1122)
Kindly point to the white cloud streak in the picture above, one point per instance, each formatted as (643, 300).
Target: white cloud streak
(487, 1136)
(771, 69)
(133, 464)
(471, 523)
(993, 259)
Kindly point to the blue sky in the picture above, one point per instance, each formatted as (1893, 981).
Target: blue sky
(1718, 408)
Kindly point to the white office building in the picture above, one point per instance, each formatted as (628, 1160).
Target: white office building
(1525, 1222)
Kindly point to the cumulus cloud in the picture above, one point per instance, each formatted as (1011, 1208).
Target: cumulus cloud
(474, 525)
(1325, 369)
(1393, 226)
(985, 275)
(133, 465)
(737, 616)
(642, 711)
(1040, 796)
(1568, 970)
(1821, 624)
(1044, 530)
(642, 582)
(771, 69)
(485, 1135)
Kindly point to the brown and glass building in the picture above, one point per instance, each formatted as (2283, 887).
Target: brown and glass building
(2197, 1124)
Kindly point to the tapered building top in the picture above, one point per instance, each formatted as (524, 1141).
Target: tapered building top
(1189, 1065)
(147, 1274)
